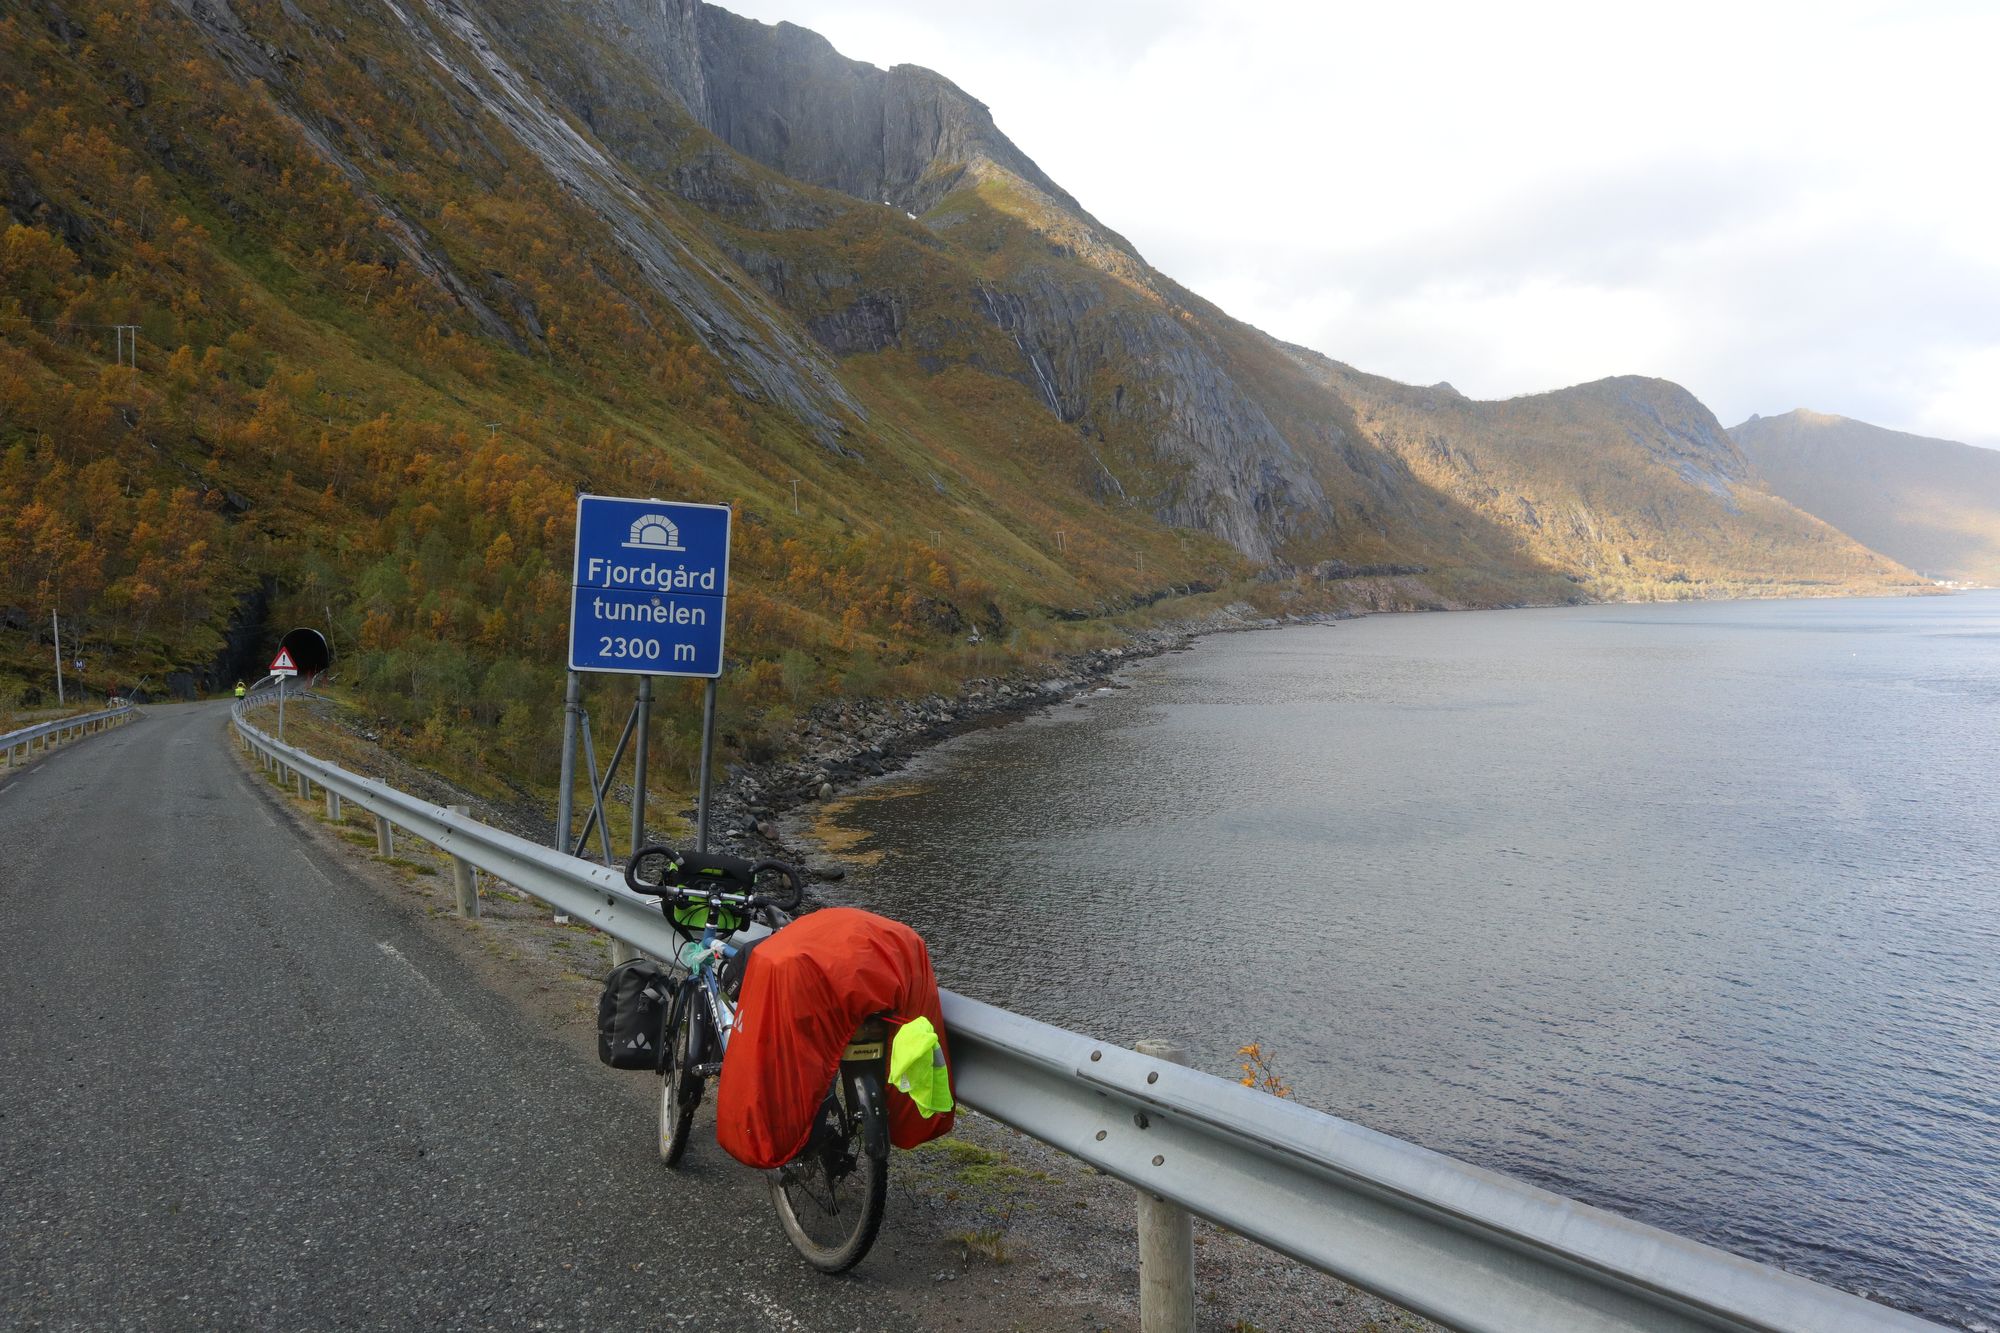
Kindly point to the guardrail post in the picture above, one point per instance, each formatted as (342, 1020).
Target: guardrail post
(332, 806)
(463, 875)
(1166, 1243)
(385, 836)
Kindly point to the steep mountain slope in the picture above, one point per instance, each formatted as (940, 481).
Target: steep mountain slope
(402, 278)
(1932, 504)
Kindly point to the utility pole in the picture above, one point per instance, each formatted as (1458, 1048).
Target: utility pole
(937, 539)
(56, 625)
(492, 429)
(795, 495)
(1061, 545)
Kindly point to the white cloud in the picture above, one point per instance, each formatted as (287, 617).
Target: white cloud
(1777, 204)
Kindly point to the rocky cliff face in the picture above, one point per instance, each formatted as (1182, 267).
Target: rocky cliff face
(783, 96)
(1169, 429)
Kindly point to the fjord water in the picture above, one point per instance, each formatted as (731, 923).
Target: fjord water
(1691, 911)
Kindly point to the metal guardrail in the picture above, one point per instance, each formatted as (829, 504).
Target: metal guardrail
(54, 733)
(1469, 1248)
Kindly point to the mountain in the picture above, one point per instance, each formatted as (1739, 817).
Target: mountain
(1629, 485)
(322, 311)
(1933, 505)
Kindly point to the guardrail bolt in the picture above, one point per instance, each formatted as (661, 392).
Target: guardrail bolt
(463, 876)
(1166, 1240)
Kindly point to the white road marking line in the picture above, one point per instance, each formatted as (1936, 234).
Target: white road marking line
(451, 1013)
(775, 1315)
(315, 869)
(415, 971)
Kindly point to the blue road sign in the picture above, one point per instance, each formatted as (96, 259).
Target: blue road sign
(650, 587)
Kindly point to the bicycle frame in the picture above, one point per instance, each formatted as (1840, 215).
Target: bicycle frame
(721, 1013)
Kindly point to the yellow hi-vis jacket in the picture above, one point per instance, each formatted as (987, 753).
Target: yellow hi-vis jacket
(916, 1065)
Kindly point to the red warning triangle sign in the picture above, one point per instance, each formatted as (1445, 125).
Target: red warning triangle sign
(281, 665)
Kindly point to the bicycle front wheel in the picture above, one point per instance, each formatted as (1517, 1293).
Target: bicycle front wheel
(680, 1093)
(830, 1199)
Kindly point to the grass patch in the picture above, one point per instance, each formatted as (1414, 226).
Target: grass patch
(414, 867)
(987, 1243)
(976, 1167)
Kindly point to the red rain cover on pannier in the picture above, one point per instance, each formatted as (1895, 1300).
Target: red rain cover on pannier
(807, 988)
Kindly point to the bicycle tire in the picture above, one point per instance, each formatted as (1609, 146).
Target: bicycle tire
(830, 1200)
(680, 1093)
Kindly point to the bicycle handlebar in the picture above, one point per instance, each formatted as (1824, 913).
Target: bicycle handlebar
(701, 876)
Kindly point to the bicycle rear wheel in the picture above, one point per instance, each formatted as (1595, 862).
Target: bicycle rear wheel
(680, 1093)
(830, 1199)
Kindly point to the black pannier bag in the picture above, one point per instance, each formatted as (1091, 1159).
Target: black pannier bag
(632, 1015)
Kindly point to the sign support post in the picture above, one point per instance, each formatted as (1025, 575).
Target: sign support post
(642, 710)
(282, 667)
(595, 819)
(56, 625)
(566, 797)
(642, 715)
(707, 760)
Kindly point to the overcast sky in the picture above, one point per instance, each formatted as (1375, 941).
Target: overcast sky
(1778, 205)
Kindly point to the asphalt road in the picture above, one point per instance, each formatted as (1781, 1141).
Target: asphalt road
(240, 1088)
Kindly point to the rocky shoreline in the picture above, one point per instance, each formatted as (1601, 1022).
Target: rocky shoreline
(845, 742)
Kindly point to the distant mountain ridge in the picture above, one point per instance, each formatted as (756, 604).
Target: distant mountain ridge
(1628, 483)
(1933, 505)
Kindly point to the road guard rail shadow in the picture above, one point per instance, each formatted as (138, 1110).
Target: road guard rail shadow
(1467, 1247)
(52, 734)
